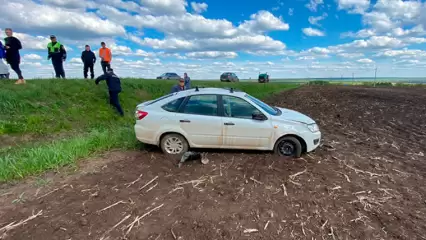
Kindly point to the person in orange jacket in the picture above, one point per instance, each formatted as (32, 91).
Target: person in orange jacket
(106, 56)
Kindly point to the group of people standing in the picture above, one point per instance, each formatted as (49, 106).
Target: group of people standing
(89, 59)
(58, 54)
(55, 52)
(183, 84)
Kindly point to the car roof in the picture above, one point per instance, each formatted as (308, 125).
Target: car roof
(219, 91)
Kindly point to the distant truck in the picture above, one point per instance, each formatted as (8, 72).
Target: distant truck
(263, 78)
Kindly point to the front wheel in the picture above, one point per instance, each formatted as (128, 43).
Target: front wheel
(288, 147)
(174, 144)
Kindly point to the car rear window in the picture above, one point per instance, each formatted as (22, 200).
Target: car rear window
(174, 105)
(161, 98)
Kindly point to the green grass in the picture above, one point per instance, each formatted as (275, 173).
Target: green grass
(71, 119)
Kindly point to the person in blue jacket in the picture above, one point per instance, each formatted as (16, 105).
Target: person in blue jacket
(4, 70)
(114, 87)
(179, 87)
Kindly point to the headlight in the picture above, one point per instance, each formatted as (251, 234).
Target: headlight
(313, 127)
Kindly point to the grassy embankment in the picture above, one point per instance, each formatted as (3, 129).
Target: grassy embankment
(47, 124)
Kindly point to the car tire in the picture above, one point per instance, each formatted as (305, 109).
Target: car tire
(172, 142)
(288, 147)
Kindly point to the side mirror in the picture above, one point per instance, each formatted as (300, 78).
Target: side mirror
(258, 116)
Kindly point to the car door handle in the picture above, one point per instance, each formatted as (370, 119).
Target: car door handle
(229, 124)
(184, 121)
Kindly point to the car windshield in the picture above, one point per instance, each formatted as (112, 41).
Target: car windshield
(271, 110)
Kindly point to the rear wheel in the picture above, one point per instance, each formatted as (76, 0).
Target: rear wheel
(174, 144)
(288, 147)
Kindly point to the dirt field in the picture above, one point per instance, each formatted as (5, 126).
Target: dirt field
(367, 181)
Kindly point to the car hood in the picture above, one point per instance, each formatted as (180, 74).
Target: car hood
(291, 115)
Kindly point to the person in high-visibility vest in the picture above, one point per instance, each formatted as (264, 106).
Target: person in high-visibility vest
(106, 56)
(58, 54)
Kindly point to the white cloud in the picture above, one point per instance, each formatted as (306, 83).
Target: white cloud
(406, 11)
(372, 43)
(365, 60)
(32, 56)
(414, 40)
(199, 7)
(263, 21)
(290, 11)
(353, 6)
(189, 25)
(212, 55)
(350, 55)
(363, 33)
(75, 60)
(415, 31)
(411, 53)
(379, 20)
(44, 18)
(304, 58)
(240, 43)
(66, 3)
(319, 50)
(313, 4)
(312, 32)
(166, 7)
(315, 20)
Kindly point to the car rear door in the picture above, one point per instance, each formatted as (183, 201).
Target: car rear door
(241, 131)
(200, 121)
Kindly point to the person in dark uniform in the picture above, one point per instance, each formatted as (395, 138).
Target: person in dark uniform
(88, 57)
(179, 87)
(56, 52)
(13, 58)
(114, 87)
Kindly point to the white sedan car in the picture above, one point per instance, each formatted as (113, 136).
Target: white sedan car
(223, 118)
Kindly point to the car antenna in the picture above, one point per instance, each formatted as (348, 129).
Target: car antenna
(196, 89)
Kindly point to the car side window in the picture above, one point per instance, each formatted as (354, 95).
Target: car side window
(201, 105)
(174, 105)
(238, 108)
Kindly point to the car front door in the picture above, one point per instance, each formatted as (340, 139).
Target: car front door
(241, 131)
(200, 121)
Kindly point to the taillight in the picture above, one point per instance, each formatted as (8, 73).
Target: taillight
(140, 114)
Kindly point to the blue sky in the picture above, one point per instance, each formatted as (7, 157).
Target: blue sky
(287, 39)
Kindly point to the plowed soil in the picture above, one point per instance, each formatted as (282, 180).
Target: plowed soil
(366, 181)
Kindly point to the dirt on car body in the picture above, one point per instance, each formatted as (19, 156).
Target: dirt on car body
(366, 181)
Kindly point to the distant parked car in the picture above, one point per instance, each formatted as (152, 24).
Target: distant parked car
(223, 118)
(168, 76)
(263, 78)
(229, 77)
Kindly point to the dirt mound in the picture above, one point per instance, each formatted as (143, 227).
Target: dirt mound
(365, 182)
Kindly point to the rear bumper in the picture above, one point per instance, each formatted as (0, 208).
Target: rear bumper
(145, 135)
